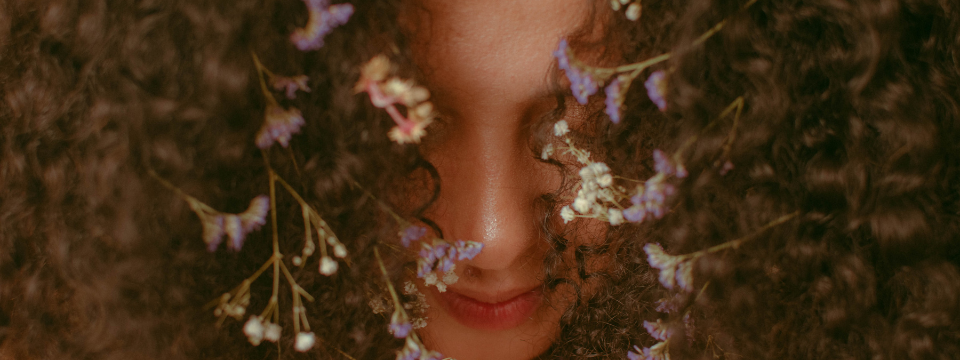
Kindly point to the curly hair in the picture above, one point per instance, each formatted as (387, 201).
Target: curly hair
(851, 111)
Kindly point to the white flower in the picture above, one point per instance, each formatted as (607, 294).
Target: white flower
(304, 341)
(409, 288)
(272, 333)
(547, 152)
(441, 287)
(615, 217)
(450, 277)
(581, 205)
(560, 128)
(633, 11)
(430, 279)
(254, 330)
(328, 266)
(377, 306)
(605, 180)
(339, 250)
(567, 214)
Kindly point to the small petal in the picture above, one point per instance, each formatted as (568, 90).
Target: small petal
(272, 332)
(615, 217)
(290, 85)
(412, 233)
(560, 128)
(614, 98)
(256, 214)
(633, 11)
(323, 19)
(328, 266)
(657, 330)
(685, 276)
(399, 326)
(279, 126)
(656, 89)
(304, 341)
(254, 330)
(547, 152)
(339, 251)
(233, 226)
(567, 214)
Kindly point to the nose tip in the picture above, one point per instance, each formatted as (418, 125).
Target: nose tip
(489, 191)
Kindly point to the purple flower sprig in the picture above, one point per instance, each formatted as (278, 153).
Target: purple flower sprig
(279, 123)
(656, 86)
(323, 19)
(411, 233)
(584, 80)
(216, 224)
(440, 256)
(400, 325)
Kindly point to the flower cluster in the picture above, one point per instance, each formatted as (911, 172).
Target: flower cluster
(658, 351)
(234, 226)
(582, 81)
(439, 257)
(633, 9)
(387, 92)
(257, 330)
(323, 19)
(279, 126)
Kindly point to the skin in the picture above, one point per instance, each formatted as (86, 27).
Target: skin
(488, 65)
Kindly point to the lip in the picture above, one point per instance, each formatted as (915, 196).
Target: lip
(484, 315)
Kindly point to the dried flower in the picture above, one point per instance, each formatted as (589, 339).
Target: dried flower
(615, 217)
(412, 233)
(547, 152)
(234, 229)
(290, 85)
(668, 266)
(581, 82)
(655, 352)
(305, 341)
(560, 128)
(633, 11)
(280, 125)
(656, 89)
(328, 266)
(339, 250)
(399, 325)
(410, 351)
(727, 166)
(323, 19)
(254, 329)
(567, 214)
(213, 231)
(657, 330)
(256, 214)
(272, 332)
(614, 99)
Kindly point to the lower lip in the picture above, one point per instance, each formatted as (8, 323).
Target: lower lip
(486, 316)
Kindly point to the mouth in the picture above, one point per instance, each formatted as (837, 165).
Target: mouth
(484, 315)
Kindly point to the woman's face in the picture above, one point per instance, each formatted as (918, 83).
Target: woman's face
(488, 66)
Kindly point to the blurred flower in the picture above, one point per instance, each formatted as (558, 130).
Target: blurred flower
(656, 89)
(674, 270)
(272, 332)
(547, 152)
(385, 93)
(615, 217)
(256, 214)
(657, 330)
(399, 325)
(234, 229)
(254, 329)
(410, 351)
(328, 266)
(614, 99)
(323, 19)
(633, 11)
(290, 85)
(636, 353)
(467, 250)
(581, 82)
(279, 126)
(567, 214)
(412, 233)
(305, 341)
(339, 250)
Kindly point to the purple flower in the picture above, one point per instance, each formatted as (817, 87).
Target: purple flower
(655, 85)
(323, 19)
(635, 213)
(581, 82)
(213, 232)
(399, 326)
(661, 163)
(412, 233)
(256, 214)
(727, 166)
(685, 276)
(280, 125)
(638, 355)
(431, 355)
(660, 260)
(234, 229)
(614, 100)
(657, 330)
(290, 85)
(468, 249)
(410, 351)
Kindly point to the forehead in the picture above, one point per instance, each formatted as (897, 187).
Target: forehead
(490, 51)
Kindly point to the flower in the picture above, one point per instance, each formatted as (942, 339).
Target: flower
(233, 226)
(328, 266)
(256, 214)
(467, 250)
(547, 152)
(673, 269)
(290, 85)
(614, 99)
(305, 341)
(323, 19)
(633, 11)
(656, 89)
(272, 332)
(615, 217)
(385, 93)
(581, 82)
(567, 214)
(657, 330)
(399, 325)
(560, 128)
(254, 329)
(280, 125)
(410, 351)
(339, 250)
(213, 231)
(412, 233)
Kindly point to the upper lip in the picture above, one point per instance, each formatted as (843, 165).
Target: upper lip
(495, 297)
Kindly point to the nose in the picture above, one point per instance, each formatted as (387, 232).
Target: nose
(490, 183)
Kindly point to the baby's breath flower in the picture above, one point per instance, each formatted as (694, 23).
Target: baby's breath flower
(233, 226)
(305, 341)
(547, 152)
(560, 128)
(685, 276)
(567, 214)
(412, 233)
(673, 269)
(272, 332)
(615, 216)
(290, 85)
(328, 266)
(656, 89)
(581, 82)
(279, 126)
(323, 19)
(339, 250)
(633, 11)
(254, 330)
(256, 214)
(385, 93)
